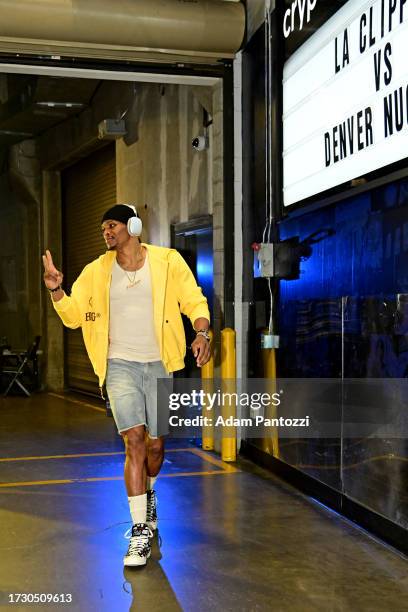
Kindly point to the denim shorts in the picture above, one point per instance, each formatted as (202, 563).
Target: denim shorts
(132, 392)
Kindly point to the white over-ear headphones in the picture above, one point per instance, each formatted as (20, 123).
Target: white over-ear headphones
(134, 225)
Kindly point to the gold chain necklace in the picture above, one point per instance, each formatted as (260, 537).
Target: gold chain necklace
(132, 279)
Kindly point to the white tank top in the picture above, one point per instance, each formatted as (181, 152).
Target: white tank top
(131, 326)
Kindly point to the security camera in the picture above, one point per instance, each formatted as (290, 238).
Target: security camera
(199, 143)
(111, 129)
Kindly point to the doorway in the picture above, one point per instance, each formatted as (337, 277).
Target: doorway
(194, 241)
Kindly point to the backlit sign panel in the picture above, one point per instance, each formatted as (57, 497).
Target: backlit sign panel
(345, 99)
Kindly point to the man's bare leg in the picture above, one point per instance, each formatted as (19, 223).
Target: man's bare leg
(136, 454)
(135, 472)
(155, 456)
(154, 461)
(135, 478)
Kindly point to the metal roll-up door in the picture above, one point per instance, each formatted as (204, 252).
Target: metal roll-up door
(88, 189)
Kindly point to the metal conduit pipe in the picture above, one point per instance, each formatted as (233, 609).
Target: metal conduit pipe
(208, 27)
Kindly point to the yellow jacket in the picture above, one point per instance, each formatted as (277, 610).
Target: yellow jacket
(174, 289)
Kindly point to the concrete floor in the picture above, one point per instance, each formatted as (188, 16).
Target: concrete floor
(231, 537)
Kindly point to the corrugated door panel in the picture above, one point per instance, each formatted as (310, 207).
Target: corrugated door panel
(88, 189)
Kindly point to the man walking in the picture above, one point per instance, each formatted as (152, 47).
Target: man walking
(128, 304)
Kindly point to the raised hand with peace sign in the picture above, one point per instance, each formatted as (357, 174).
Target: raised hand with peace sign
(52, 276)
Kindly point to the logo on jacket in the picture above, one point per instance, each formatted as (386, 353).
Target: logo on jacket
(92, 316)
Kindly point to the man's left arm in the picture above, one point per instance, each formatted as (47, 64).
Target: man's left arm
(194, 305)
(201, 345)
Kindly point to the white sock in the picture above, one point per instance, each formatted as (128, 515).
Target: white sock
(150, 482)
(137, 505)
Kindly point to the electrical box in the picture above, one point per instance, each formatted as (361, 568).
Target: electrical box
(280, 259)
(266, 255)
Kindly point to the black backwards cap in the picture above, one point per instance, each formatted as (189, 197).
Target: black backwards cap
(119, 212)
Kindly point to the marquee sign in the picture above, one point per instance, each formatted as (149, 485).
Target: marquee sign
(345, 99)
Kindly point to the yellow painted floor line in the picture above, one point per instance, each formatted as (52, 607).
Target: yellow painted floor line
(33, 483)
(213, 460)
(74, 401)
(39, 457)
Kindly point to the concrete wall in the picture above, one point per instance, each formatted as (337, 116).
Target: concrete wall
(160, 172)
(53, 330)
(218, 220)
(13, 272)
(240, 310)
(20, 272)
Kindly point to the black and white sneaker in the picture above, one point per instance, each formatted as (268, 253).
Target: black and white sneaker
(151, 510)
(139, 546)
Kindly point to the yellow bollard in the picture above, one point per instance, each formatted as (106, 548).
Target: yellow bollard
(270, 444)
(228, 374)
(207, 383)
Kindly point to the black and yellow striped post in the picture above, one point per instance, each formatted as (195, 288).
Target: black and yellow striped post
(228, 375)
(207, 383)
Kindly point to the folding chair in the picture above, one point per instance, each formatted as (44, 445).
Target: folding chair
(19, 369)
